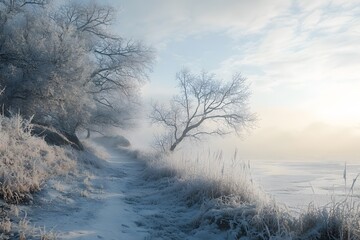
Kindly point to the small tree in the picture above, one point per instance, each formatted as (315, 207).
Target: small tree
(205, 106)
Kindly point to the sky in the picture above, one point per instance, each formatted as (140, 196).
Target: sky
(302, 59)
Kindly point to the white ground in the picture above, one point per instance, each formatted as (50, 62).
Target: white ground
(118, 204)
(102, 211)
(115, 202)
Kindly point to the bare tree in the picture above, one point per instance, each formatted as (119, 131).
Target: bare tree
(16, 5)
(205, 106)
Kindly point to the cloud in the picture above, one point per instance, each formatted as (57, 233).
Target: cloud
(311, 5)
(291, 43)
(158, 20)
(310, 60)
(301, 57)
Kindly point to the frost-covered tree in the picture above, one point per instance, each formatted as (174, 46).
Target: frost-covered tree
(205, 106)
(63, 66)
(118, 65)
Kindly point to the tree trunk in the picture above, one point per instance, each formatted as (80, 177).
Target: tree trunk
(75, 141)
(58, 138)
(172, 148)
(88, 133)
(174, 145)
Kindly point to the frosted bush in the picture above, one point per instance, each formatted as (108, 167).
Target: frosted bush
(27, 161)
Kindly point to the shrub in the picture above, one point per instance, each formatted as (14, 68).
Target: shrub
(27, 161)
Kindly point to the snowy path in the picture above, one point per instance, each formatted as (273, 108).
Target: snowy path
(115, 219)
(121, 204)
(104, 214)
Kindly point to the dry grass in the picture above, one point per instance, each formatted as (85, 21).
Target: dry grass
(97, 150)
(27, 161)
(336, 220)
(208, 177)
(230, 200)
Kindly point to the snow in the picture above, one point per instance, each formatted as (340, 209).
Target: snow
(120, 204)
(113, 219)
(118, 201)
(104, 214)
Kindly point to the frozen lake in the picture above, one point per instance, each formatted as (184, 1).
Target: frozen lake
(298, 183)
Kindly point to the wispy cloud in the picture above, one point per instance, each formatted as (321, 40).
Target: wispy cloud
(310, 52)
(159, 20)
(300, 56)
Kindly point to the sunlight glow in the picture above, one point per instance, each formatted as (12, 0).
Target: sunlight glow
(338, 105)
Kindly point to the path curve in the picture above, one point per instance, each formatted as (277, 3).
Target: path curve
(105, 214)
